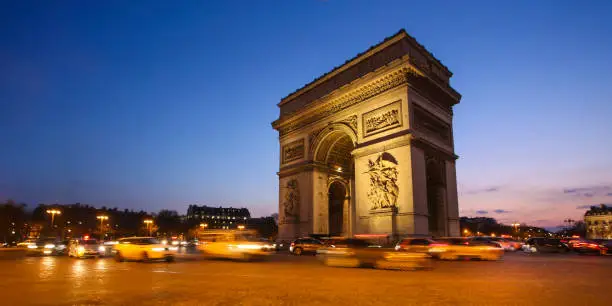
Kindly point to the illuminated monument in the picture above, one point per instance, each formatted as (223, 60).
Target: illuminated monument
(368, 147)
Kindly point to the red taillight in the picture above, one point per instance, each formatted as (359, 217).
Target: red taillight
(293, 244)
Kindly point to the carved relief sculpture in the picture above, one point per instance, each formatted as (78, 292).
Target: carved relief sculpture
(384, 190)
(293, 151)
(382, 119)
(292, 201)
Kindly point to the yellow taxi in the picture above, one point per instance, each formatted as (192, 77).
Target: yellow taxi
(143, 249)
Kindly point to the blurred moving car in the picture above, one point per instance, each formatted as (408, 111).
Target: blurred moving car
(508, 244)
(80, 248)
(355, 253)
(26, 243)
(143, 249)
(305, 245)
(47, 246)
(420, 245)
(233, 244)
(453, 248)
(545, 245)
(598, 247)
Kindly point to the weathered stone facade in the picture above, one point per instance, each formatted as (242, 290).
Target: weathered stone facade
(598, 221)
(373, 136)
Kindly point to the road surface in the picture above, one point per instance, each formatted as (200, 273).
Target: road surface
(289, 280)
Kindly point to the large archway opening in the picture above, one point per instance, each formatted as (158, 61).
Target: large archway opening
(333, 155)
(337, 196)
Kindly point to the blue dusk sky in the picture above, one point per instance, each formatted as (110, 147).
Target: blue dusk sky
(161, 104)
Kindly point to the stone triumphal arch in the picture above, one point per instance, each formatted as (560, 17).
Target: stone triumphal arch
(368, 147)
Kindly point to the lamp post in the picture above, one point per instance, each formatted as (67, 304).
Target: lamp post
(53, 212)
(102, 218)
(148, 222)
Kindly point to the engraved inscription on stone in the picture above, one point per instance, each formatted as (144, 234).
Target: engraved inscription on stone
(382, 119)
(293, 151)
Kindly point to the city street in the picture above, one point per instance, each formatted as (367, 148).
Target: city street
(289, 280)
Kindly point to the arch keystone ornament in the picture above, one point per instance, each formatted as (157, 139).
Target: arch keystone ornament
(368, 147)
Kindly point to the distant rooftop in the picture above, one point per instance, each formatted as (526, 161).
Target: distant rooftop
(602, 209)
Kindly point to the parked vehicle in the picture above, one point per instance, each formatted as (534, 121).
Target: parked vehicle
(545, 245)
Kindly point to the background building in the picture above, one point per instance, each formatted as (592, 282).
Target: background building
(217, 217)
(598, 221)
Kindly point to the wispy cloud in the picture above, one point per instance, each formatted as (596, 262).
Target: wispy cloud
(482, 212)
(501, 211)
(483, 190)
(583, 206)
(589, 191)
(609, 194)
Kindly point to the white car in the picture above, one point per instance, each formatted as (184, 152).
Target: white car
(143, 249)
(80, 248)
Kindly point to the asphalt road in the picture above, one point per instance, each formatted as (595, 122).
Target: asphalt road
(288, 280)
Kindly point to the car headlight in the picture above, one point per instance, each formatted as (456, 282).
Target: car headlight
(81, 249)
(101, 249)
(32, 246)
(49, 246)
(173, 248)
(157, 249)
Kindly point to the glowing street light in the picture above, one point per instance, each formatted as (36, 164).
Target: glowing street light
(240, 227)
(102, 218)
(148, 222)
(203, 225)
(53, 212)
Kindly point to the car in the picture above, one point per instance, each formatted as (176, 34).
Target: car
(80, 248)
(598, 247)
(47, 246)
(143, 249)
(545, 245)
(420, 245)
(305, 246)
(508, 244)
(353, 253)
(233, 244)
(454, 248)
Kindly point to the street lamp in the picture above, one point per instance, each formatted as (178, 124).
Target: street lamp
(203, 225)
(148, 222)
(240, 227)
(102, 218)
(53, 212)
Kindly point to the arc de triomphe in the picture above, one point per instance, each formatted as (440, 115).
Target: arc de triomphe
(367, 148)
